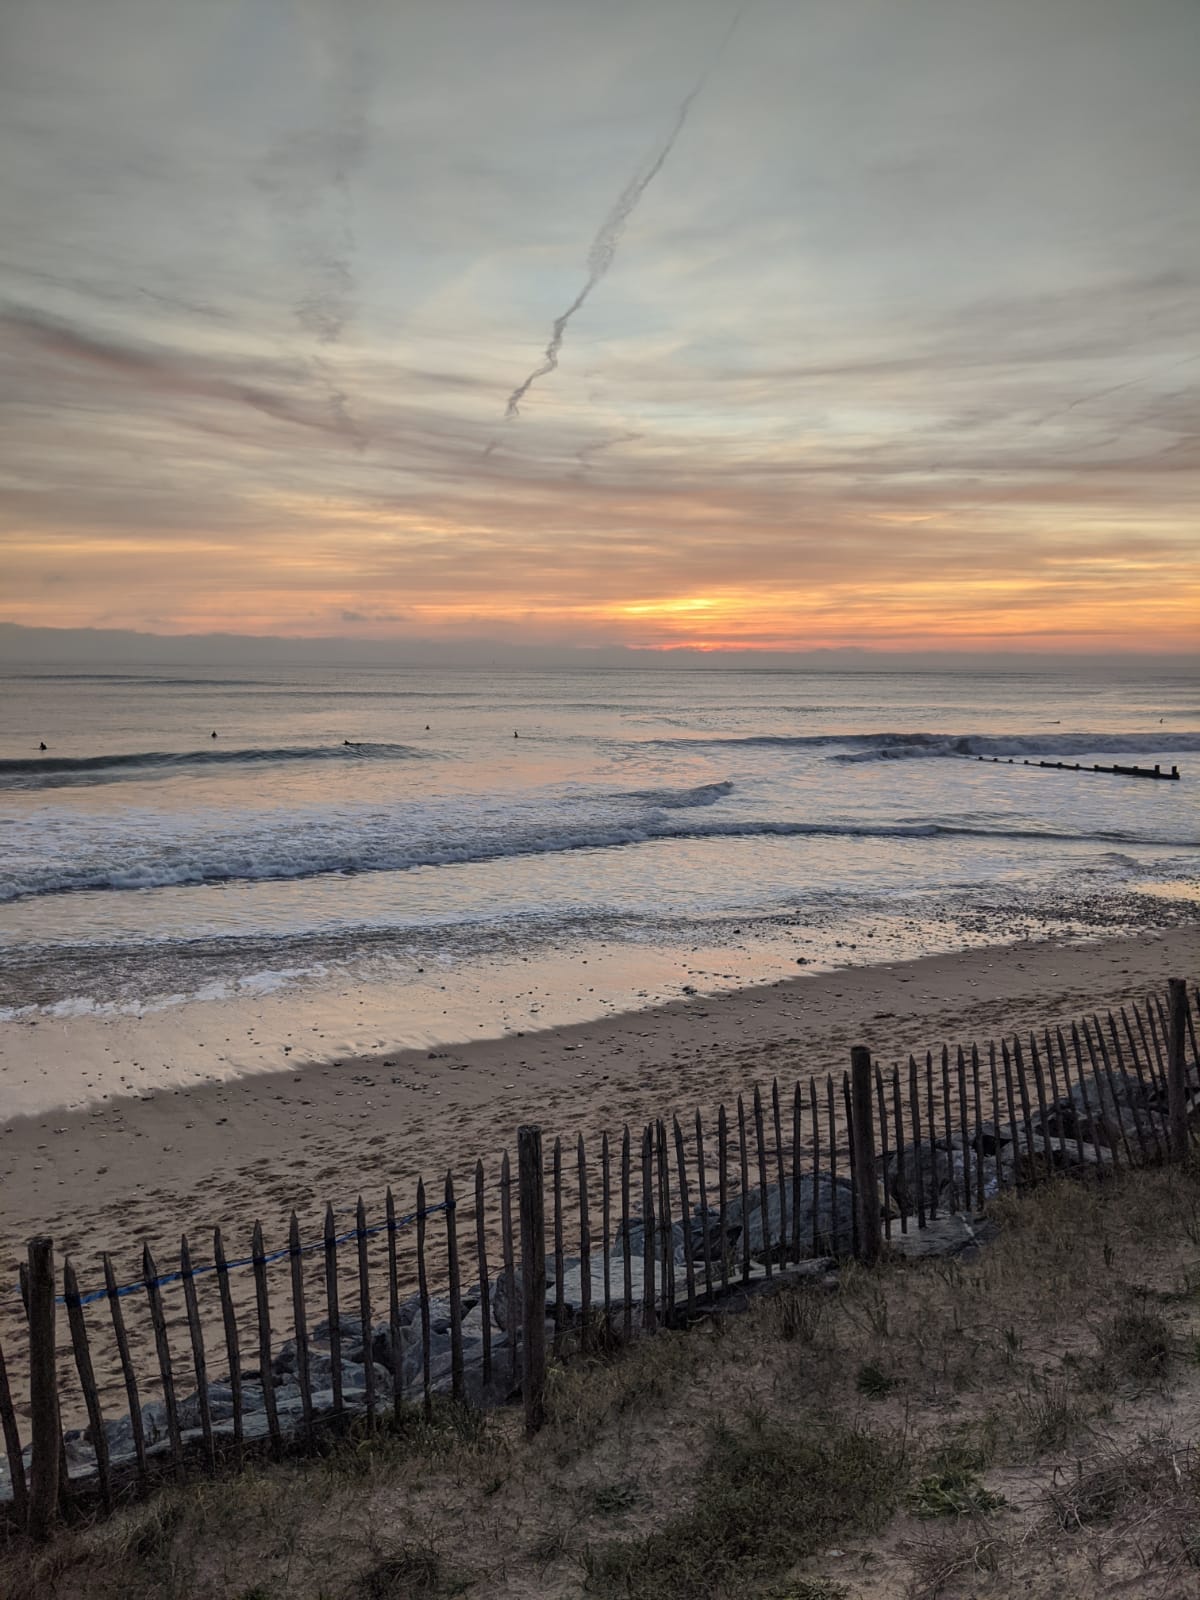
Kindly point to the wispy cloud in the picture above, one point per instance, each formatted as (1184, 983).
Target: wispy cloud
(908, 343)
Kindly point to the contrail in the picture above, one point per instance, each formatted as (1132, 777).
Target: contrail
(608, 237)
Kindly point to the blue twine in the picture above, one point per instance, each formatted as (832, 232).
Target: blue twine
(248, 1261)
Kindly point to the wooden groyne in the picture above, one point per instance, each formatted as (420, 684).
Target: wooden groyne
(1155, 771)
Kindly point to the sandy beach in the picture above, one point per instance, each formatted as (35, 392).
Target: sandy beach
(104, 1178)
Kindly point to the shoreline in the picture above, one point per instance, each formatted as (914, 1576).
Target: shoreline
(228, 1152)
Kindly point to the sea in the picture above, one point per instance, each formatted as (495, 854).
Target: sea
(215, 871)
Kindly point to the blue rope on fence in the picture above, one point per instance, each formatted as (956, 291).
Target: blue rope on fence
(248, 1261)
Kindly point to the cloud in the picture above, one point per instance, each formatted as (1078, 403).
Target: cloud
(267, 277)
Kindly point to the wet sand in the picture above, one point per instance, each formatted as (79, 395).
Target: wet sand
(104, 1177)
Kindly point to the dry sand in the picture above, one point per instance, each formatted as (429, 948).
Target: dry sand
(230, 1152)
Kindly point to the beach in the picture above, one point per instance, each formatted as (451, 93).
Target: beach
(231, 1152)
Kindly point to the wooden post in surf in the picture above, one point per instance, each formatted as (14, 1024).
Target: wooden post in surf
(43, 1391)
(1177, 1006)
(533, 1275)
(866, 1187)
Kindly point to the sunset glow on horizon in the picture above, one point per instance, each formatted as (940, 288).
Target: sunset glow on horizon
(900, 348)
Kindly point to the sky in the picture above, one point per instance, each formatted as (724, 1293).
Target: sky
(898, 346)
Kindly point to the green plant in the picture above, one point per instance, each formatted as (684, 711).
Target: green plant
(873, 1381)
(412, 1570)
(809, 1589)
(799, 1316)
(953, 1492)
(767, 1496)
(1050, 1418)
(610, 1499)
(1136, 1345)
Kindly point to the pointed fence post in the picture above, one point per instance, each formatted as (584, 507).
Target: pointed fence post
(43, 1392)
(1177, 1007)
(533, 1275)
(866, 1178)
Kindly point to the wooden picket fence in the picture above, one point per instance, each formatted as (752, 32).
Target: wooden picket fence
(590, 1250)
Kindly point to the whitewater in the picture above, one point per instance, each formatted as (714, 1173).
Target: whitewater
(418, 846)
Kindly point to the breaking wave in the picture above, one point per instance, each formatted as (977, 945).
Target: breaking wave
(319, 851)
(49, 772)
(901, 745)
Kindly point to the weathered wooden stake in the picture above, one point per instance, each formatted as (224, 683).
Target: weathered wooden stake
(485, 1282)
(666, 1225)
(333, 1309)
(1177, 1007)
(395, 1338)
(996, 1115)
(881, 1107)
(848, 1107)
(585, 1248)
(780, 1168)
(797, 1143)
(127, 1372)
(627, 1257)
(533, 1275)
(423, 1297)
(12, 1447)
(1039, 1080)
(764, 1203)
(914, 1123)
(702, 1185)
(685, 1216)
(457, 1388)
(964, 1127)
(196, 1335)
(948, 1124)
(723, 1194)
(364, 1311)
(935, 1180)
(744, 1171)
(816, 1169)
(229, 1322)
(606, 1224)
(865, 1173)
(835, 1226)
(300, 1321)
(904, 1198)
(258, 1257)
(43, 1391)
(560, 1305)
(87, 1379)
(158, 1318)
(510, 1272)
(978, 1107)
(648, 1316)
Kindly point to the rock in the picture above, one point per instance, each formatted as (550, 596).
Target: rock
(349, 1329)
(637, 1240)
(1099, 1110)
(834, 1208)
(944, 1172)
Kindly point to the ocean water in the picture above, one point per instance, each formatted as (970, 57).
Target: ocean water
(397, 856)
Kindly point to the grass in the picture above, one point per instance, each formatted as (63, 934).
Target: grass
(800, 1314)
(810, 1589)
(730, 1459)
(1136, 1345)
(768, 1495)
(953, 1492)
(936, 1562)
(1154, 1471)
(873, 1381)
(411, 1571)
